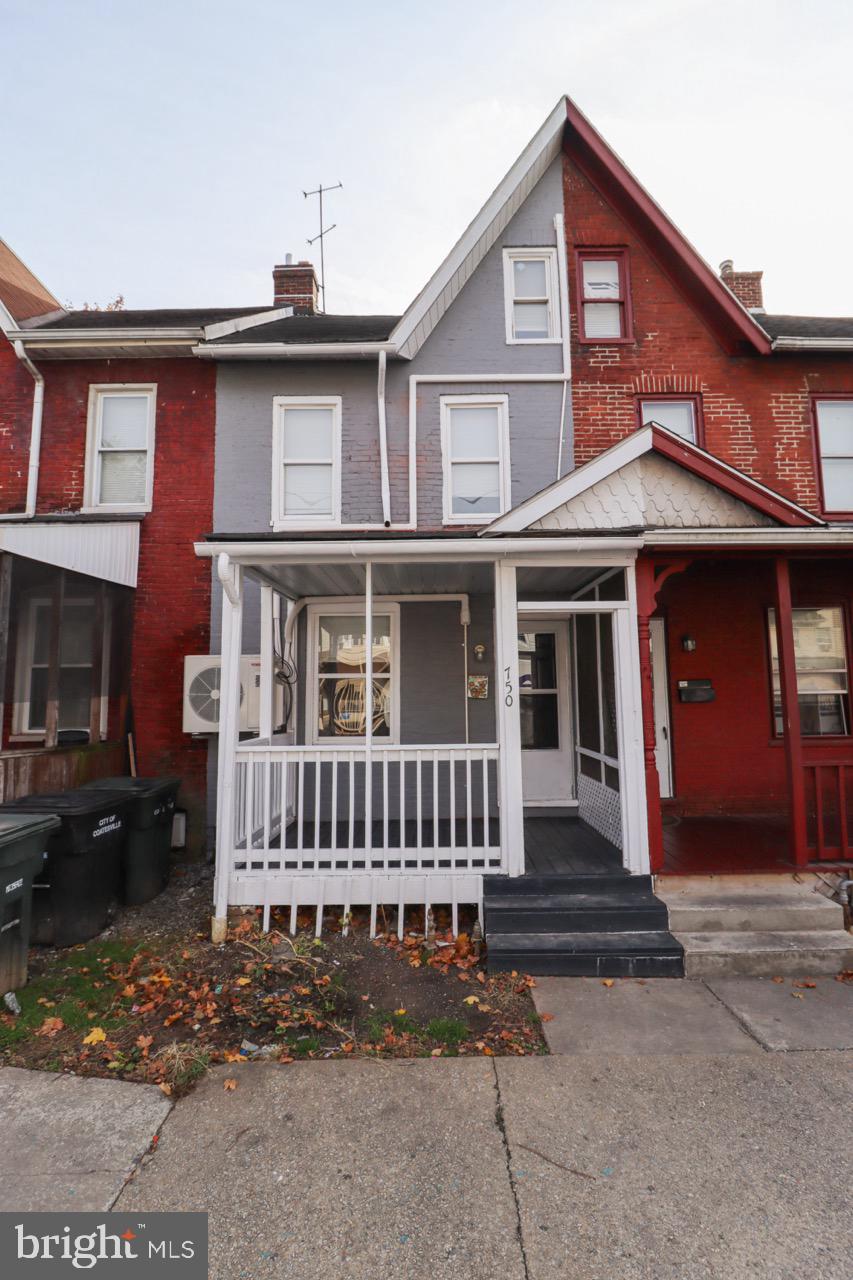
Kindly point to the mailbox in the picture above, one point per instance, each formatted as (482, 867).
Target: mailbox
(696, 691)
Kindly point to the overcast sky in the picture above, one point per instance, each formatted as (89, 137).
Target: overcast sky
(159, 148)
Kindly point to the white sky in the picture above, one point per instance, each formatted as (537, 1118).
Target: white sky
(159, 148)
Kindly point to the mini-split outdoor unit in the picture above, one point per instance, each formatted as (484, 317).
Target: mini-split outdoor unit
(201, 693)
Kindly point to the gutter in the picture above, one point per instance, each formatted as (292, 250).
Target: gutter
(439, 549)
(783, 343)
(106, 337)
(292, 350)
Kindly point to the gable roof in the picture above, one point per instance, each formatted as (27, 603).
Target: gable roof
(21, 293)
(666, 445)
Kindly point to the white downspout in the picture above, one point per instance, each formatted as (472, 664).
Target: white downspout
(35, 438)
(563, 276)
(383, 441)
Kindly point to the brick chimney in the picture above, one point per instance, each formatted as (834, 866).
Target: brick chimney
(295, 285)
(745, 285)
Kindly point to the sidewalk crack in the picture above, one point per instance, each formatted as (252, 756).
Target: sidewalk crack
(501, 1125)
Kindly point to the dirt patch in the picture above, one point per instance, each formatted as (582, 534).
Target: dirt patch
(153, 999)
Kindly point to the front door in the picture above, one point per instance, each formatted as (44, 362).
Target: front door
(546, 738)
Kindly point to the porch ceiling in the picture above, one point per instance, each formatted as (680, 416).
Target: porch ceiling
(389, 579)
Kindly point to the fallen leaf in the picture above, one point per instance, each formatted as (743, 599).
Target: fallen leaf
(436, 1053)
(398, 1013)
(546, 1017)
(798, 995)
(778, 979)
(95, 1036)
(166, 1088)
(811, 985)
(243, 982)
(50, 1027)
(471, 1000)
(607, 982)
(481, 977)
(230, 1084)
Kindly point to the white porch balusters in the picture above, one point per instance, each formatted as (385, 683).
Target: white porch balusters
(509, 724)
(231, 577)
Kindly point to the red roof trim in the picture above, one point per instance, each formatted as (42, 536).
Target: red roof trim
(731, 322)
(731, 481)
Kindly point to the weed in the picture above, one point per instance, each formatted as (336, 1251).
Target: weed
(183, 1063)
(449, 1031)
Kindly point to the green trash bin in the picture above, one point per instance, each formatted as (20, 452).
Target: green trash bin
(147, 851)
(23, 844)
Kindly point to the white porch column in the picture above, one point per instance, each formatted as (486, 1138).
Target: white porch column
(265, 722)
(635, 832)
(231, 577)
(508, 722)
(368, 705)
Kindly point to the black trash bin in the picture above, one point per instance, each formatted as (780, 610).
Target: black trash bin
(23, 842)
(72, 895)
(147, 850)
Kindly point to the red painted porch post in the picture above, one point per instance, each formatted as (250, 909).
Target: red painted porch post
(790, 711)
(646, 604)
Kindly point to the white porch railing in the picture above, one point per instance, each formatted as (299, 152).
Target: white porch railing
(327, 810)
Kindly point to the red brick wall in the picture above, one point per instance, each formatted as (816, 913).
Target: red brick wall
(172, 602)
(16, 416)
(756, 408)
(725, 756)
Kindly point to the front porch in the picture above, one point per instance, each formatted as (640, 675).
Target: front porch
(410, 797)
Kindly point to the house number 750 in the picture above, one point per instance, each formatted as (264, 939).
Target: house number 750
(508, 699)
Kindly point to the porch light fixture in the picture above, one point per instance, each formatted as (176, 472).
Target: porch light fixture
(688, 644)
(479, 652)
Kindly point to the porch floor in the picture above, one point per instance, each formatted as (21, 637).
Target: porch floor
(568, 846)
(725, 845)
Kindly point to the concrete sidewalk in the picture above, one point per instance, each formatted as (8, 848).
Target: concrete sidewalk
(70, 1142)
(590, 1168)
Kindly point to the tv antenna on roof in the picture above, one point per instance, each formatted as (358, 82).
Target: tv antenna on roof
(322, 233)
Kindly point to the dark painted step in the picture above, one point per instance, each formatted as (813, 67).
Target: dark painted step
(619, 883)
(574, 912)
(646, 954)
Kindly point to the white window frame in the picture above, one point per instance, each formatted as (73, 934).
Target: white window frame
(98, 391)
(280, 520)
(672, 399)
(552, 300)
(501, 403)
(25, 649)
(312, 708)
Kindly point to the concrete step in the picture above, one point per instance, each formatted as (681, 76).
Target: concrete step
(645, 954)
(766, 954)
(754, 912)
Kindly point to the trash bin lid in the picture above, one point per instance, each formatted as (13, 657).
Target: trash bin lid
(17, 826)
(134, 786)
(65, 804)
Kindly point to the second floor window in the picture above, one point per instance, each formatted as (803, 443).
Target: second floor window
(679, 416)
(531, 295)
(306, 460)
(475, 449)
(834, 423)
(120, 447)
(605, 304)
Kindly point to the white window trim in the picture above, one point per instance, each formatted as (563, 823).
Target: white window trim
(280, 521)
(501, 403)
(553, 281)
(312, 701)
(91, 485)
(25, 648)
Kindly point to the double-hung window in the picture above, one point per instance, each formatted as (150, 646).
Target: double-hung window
(531, 293)
(306, 482)
(834, 426)
(680, 415)
(120, 447)
(475, 449)
(339, 700)
(78, 643)
(605, 302)
(820, 655)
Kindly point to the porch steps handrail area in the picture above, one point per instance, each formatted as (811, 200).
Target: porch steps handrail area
(343, 810)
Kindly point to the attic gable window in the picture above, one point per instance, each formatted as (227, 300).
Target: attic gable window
(475, 450)
(306, 481)
(605, 300)
(120, 447)
(834, 431)
(679, 414)
(531, 295)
